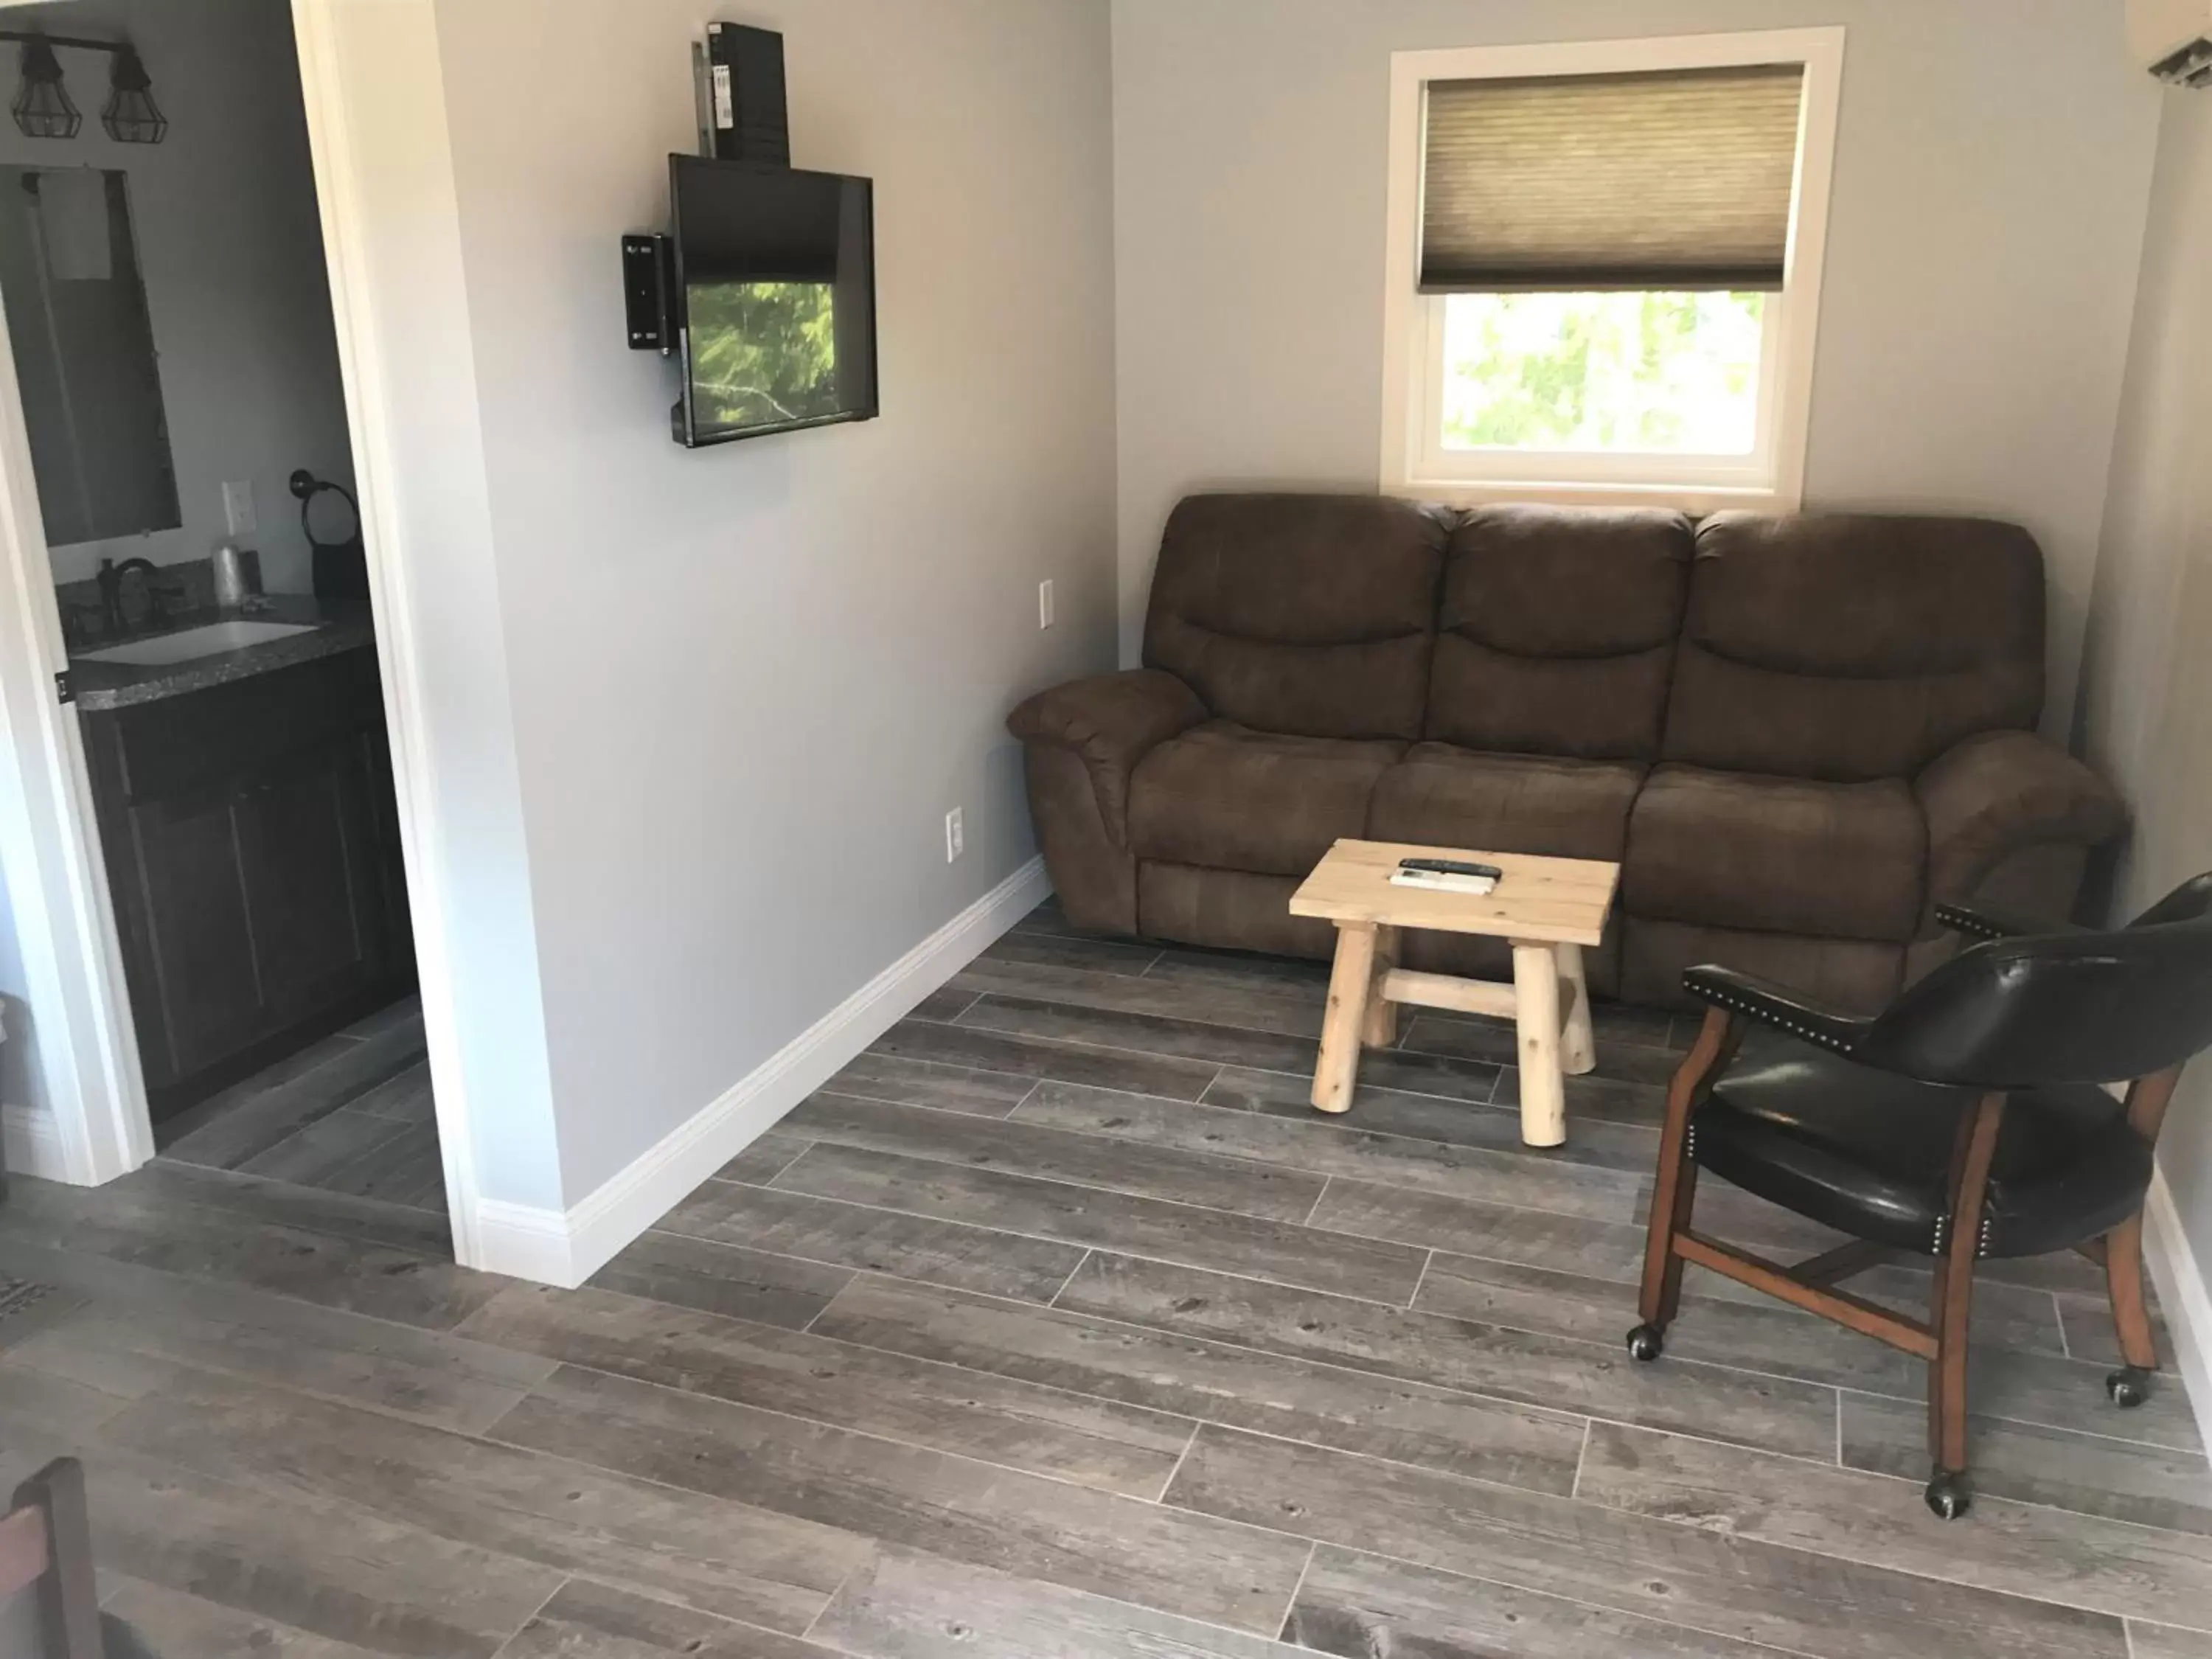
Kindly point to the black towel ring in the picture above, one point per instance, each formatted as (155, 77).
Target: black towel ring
(341, 567)
(307, 486)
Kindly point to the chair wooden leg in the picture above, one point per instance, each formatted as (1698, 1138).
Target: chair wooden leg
(1675, 1182)
(1659, 1303)
(2124, 1278)
(2121, 1252)
(1951, 1306)
(1949, 1311)
(1675, 1187)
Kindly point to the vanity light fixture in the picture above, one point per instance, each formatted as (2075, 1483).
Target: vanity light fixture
(42, 108)
(131, 116)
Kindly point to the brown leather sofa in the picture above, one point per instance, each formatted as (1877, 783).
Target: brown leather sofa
(1796, 734)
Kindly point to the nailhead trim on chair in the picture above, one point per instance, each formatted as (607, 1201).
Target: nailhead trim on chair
(1969, 925)
(1766, 1016)
(1981, 1244)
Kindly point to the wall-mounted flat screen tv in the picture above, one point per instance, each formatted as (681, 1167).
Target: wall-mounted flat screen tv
(774, 283)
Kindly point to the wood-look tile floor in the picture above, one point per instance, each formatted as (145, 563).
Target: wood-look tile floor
(352, 1113)
(1058, 1326)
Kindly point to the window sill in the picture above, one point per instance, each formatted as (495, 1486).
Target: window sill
(1695, 500)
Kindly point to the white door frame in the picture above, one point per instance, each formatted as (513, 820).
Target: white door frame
(87, 1052)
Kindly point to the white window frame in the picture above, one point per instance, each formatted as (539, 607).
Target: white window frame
(1772, 477)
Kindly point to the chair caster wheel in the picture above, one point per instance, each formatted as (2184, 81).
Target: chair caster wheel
(1947, 1496)
(2128, 1386)
(1645, 1343)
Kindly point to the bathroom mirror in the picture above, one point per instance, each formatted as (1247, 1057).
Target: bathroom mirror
(84, 354)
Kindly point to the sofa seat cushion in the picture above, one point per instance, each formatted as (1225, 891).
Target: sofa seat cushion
(1733, 849)
(1227, 797)
(1443, 796)
(1229, 910)
(1855, 975)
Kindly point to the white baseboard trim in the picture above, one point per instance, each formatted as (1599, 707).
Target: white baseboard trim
(31, 1143)
(524, 1242)
(566, 1247)
(2182, 1298)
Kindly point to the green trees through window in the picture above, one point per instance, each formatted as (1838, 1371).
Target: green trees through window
(764, 353)
(1652, 373)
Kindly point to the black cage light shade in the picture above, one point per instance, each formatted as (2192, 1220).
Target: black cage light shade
(131, 116)
(42, 108)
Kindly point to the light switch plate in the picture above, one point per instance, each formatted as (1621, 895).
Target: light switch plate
(237, 508)
(1044, 603)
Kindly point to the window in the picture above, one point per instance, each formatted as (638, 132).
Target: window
(1604, 268)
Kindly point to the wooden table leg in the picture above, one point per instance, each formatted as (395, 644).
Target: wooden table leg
(1380, 1029)
(1350, 984)
(1577, 1048)
(1543, 1092)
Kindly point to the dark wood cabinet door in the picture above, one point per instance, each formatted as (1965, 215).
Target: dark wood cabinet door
(308, 871)
(194, 993)
(258, 904)
(249, 842)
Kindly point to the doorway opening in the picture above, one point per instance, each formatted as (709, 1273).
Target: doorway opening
(178, 365)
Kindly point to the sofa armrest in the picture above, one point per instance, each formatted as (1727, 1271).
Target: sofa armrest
(2000, 792)
(1111, 721)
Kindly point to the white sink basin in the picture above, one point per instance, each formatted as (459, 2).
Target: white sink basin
(191, 643)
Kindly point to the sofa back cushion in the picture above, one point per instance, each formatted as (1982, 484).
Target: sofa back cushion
(1557, 630)
(1309, 615)
(1852, 647)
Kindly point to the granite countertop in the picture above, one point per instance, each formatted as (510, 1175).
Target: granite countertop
(339, 625)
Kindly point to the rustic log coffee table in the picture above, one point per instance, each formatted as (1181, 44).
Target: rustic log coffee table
(1547, 908)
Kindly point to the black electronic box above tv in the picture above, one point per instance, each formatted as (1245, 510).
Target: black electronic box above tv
(763, 288)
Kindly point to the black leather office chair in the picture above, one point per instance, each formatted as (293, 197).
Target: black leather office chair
(1964, 1121)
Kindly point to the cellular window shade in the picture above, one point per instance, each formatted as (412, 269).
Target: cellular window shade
(1677, 179)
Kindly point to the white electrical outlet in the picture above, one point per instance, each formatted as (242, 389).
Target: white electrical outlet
(955, 837)
(238, 509)
(1044, 603)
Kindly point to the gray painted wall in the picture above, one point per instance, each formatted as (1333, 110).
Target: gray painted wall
(2147, 708)
(227, 234)
(748, 683)
(1992, 167)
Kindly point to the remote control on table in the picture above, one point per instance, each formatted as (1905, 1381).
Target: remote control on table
(1446, 875)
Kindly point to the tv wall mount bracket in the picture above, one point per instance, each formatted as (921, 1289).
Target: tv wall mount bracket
(649, 293)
